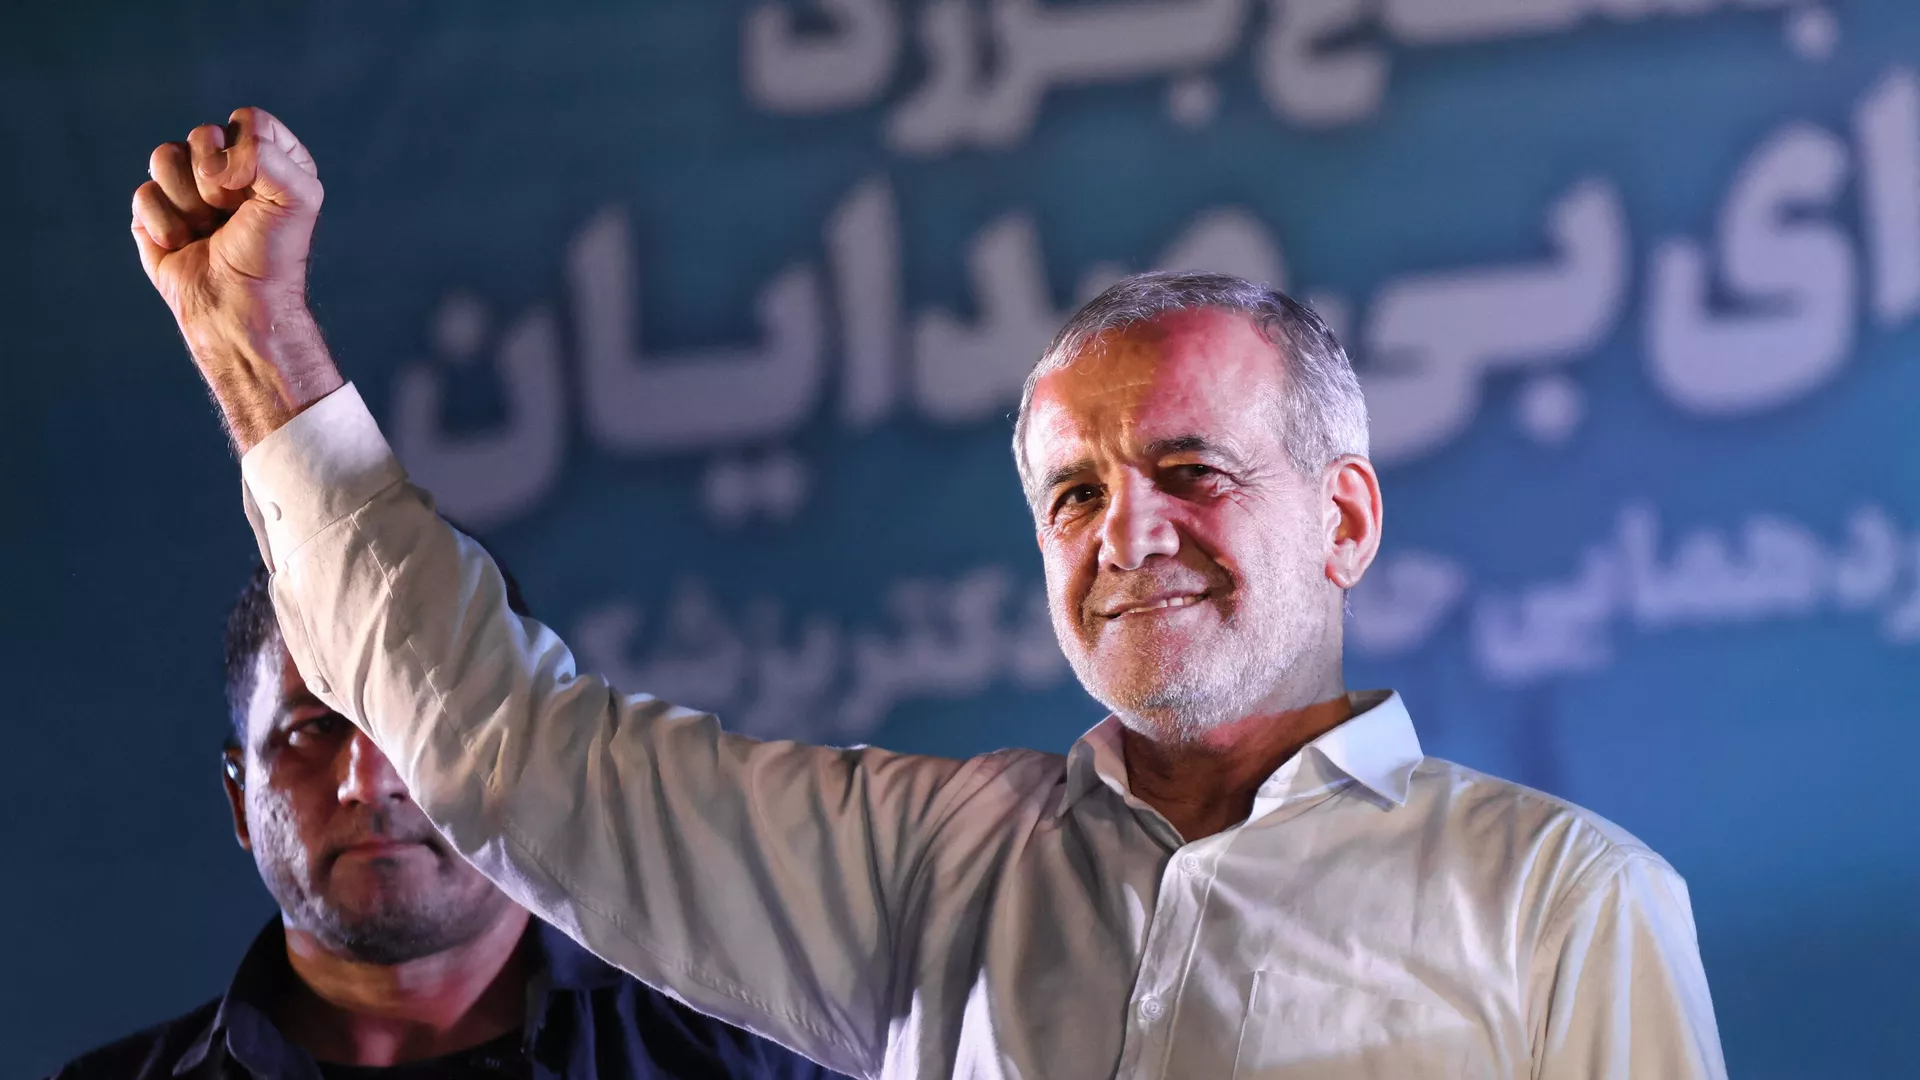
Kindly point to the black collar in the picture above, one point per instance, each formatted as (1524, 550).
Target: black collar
(243, 1024)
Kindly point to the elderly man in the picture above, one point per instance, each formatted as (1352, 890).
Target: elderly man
(391, 957)
(1244, 871)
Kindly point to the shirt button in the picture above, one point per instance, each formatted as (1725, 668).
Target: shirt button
(1190, 863)
(273, 510)
(1150, 1008)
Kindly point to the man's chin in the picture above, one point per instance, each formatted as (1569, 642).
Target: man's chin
(392, 914)
(1169, 672)
(1159, 705)
(391, 941)
(388, 930)
(357, 909)
(1186, 691)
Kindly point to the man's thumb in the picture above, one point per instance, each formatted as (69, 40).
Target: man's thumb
(266, 158)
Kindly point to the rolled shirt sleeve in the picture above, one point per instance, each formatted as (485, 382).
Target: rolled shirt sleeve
(1620, 988)
(753, 879)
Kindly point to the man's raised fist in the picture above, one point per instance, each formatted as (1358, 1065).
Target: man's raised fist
(223, 229)
(229, 213)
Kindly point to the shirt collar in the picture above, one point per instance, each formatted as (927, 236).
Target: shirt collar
(244, 1028)
(1376, 747)
(1095, 760)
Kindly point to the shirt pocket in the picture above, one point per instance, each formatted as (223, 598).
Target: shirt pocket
(1298, 1028)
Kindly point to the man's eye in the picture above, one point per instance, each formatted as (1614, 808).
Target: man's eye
(324, 726)
(1078, 495)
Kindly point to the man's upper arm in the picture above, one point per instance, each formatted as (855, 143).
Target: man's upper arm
(754, 879)
(1619, 989)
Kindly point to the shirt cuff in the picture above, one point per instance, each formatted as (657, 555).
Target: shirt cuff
(322, 465)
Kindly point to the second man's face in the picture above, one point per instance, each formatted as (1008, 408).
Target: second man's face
(1185, 555)
(338, 839)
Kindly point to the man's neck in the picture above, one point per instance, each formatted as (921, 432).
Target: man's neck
(351, 1012)
(1205, 783)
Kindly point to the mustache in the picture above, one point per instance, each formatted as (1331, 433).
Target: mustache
(383, 826)
(1126, 588)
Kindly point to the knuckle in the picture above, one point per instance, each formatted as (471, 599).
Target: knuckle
(164, 156)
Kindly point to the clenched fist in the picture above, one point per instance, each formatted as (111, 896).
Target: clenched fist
(223, 229)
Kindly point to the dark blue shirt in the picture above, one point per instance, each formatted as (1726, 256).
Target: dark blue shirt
(586, 1020)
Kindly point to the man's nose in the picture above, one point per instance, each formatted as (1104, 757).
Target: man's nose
(370, 779)
(1138, 525)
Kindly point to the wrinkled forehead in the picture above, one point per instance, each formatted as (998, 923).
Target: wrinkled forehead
(1207, 373)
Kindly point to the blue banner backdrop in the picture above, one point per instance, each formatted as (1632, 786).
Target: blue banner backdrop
(711, 317)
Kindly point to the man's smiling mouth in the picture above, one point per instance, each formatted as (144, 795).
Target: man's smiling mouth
(1161, 604)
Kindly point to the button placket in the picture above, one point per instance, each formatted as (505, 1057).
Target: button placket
(1156, 989)
(1185, 886)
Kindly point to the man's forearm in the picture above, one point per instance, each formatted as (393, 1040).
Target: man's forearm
(262, 369)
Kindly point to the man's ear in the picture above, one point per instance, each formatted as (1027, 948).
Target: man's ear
(1353, 519)
(234, 778)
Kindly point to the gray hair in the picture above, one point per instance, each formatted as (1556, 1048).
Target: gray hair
(1322, 413)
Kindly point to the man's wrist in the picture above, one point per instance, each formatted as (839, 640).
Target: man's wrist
(263, 367)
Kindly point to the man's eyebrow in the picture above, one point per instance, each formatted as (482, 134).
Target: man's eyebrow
(1064, 473)
(1179, 444)
(1193, 444)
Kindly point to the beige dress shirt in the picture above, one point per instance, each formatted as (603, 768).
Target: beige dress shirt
(1018, 914)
